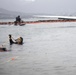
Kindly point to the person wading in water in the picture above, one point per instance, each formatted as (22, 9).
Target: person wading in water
(17, 41)
(18, 20)
(10, 39)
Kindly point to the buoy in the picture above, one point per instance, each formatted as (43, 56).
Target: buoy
(12, 58)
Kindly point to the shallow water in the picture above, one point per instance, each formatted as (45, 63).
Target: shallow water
(48, 49)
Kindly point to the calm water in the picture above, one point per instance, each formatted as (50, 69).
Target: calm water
(29, 19)
(48, 49)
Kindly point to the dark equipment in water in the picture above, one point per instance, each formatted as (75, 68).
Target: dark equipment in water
(2, 49)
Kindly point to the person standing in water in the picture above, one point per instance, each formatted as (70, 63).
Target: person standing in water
(17, 41)
(18, 20)
(10, 39)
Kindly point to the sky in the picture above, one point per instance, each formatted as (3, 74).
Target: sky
(40, 6)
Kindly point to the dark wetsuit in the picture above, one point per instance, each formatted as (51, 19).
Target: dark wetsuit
(11, 41)
(18, 19)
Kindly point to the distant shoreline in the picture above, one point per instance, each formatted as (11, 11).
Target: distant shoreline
(39, 21)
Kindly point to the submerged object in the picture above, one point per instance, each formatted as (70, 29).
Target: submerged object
(19, 40)
(3, 49)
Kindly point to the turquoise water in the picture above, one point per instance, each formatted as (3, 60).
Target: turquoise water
(48, 49)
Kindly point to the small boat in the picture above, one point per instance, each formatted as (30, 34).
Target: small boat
(22, 24)
(19, 23)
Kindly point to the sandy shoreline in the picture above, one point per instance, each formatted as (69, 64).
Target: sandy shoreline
(39, 21)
